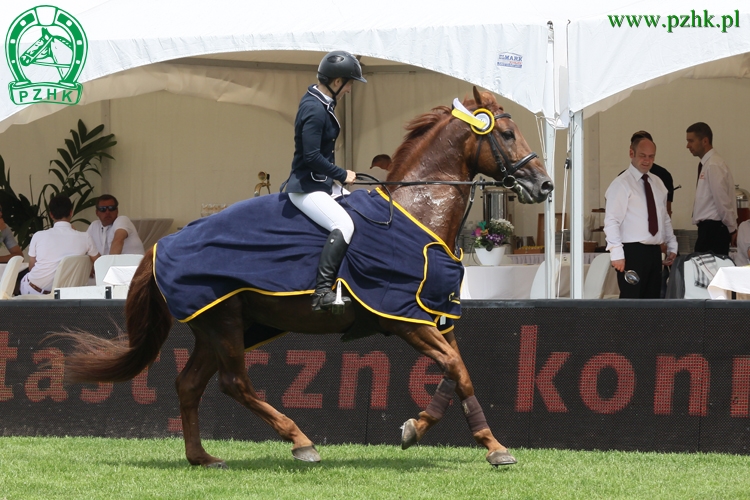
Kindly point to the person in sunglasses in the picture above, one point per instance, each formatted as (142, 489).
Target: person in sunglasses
(114, 234)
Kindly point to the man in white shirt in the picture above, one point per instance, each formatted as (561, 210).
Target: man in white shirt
(114, 234)
(715, 208)
(636, 223)
(48, 247)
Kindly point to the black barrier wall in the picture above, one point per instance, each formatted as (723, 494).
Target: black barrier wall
(628, 375)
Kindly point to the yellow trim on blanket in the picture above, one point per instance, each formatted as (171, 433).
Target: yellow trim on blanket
(225, 297)
(153, 271)
(419, 290)
(385, 315)
(267, 341)
(247, 289)
(437, 238)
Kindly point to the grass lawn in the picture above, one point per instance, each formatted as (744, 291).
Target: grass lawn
(95, 468)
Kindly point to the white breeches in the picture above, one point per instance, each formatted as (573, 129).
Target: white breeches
(324, 211)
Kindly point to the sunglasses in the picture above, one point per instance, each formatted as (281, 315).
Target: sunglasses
(111, 208)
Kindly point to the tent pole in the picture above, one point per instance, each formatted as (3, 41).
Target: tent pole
(348, 138)
(549, 211)
(576, 210)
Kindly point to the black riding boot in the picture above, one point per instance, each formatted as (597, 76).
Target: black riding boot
(328, 268)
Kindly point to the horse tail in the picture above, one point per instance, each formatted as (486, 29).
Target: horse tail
(148, 323)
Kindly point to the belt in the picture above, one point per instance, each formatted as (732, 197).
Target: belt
(43, 292)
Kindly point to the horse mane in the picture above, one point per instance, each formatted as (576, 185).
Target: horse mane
(426, 125)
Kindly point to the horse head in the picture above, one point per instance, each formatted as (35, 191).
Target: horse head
(500, 151)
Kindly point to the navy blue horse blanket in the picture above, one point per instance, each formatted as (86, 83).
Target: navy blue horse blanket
(402, 271)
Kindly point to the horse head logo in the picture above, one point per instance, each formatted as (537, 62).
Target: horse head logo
(45, 49)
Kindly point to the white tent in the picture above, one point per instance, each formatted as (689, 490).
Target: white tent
(494, 46)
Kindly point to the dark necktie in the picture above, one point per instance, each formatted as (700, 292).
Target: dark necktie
(700, 167)
(653, 223)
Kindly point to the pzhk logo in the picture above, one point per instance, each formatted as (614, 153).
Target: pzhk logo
(46, 49)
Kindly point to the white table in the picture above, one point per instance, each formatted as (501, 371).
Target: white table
(537, 258)
(728, 280)
(514, 282)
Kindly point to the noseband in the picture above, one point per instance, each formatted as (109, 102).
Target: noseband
(501, 159)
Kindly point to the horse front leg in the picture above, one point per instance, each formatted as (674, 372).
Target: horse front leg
(443, 349)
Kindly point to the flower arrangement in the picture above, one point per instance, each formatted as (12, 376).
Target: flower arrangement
(494, 233)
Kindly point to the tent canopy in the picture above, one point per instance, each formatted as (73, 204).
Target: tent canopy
(493, 46)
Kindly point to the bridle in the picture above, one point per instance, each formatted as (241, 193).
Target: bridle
(482, 122)
(501, 159)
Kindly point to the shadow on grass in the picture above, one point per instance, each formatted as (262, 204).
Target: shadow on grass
(275, 463)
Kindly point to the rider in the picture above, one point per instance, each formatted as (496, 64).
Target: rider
(310, 184)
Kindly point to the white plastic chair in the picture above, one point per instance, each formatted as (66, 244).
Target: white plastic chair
(10, 275)
(505, 260)
(104, 262)
(73, 270)
(593, 286)
(539, 285)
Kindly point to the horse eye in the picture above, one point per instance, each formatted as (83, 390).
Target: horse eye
(508, 135)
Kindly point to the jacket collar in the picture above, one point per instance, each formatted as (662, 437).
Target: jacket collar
(328, 102)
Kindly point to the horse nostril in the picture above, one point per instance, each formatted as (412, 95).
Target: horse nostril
(547, 187)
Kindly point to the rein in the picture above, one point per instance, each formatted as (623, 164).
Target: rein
(375, 182)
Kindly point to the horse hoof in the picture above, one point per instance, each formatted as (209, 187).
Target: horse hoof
(217, 465)
(408, 434)
(497, 458)
(306, 454)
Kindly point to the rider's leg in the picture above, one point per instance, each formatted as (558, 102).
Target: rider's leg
(327, 213)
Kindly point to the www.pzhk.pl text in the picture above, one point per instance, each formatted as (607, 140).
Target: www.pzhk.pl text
(672, 22)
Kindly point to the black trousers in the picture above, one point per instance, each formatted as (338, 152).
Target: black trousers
(713, 236)
(646, 261)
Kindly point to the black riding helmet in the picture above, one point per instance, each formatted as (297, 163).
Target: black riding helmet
(339, 64)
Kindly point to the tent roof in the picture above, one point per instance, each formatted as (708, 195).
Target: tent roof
(438, 35)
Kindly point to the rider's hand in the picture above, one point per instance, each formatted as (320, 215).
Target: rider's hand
(350, 176)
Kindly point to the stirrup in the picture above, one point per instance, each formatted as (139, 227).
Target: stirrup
(326, 299)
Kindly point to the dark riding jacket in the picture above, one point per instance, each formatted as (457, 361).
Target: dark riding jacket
(315, 131)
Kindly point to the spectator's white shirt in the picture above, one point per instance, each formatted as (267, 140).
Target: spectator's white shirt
(50, 246)
(626, 217)
(103, 236)
(714, 194)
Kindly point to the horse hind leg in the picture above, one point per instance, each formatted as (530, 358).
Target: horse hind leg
(234, 382)
(191, 384)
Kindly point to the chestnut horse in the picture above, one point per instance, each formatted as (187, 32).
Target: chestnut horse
(440, 146)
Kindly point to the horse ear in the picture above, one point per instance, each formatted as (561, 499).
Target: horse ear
(477, 97)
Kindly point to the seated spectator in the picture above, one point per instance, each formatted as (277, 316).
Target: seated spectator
(6, 237)
(743, 244)
(114, 234)
(48, 248)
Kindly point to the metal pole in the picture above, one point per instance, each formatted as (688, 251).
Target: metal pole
(549, 212)
(576, 210)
